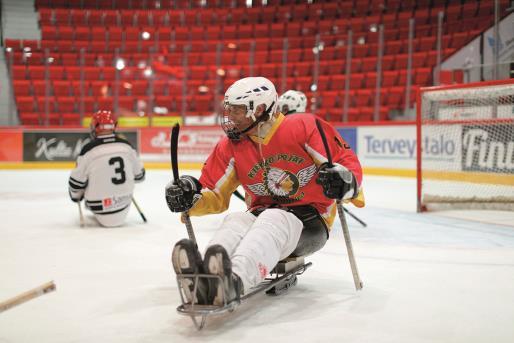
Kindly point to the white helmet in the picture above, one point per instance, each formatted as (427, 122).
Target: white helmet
(251, 92)
(295, 101)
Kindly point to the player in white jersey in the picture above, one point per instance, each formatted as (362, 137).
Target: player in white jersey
(292, 102)
(107, 169)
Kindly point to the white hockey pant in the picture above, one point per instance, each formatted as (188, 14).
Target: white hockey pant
(256, 244)
(114, 219)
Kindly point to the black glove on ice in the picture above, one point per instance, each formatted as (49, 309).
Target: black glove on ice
(337, 182)
(182, 194)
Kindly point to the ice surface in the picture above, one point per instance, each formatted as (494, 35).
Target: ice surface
(427, 277)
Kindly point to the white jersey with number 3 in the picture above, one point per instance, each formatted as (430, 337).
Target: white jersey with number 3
(106, 171)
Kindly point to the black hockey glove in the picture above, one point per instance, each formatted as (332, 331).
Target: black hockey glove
(337, 182)
(181, 195)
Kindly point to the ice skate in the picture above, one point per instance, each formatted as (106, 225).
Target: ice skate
(187, 262)
(217, 262)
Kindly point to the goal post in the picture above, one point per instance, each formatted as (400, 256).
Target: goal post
(465, 150)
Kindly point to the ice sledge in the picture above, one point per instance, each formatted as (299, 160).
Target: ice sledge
(280, 280)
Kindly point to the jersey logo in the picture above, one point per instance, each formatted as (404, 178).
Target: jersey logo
(107, 202)
(283, 183)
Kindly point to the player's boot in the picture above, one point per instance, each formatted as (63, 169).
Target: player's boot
(217, 262)
(186, 259)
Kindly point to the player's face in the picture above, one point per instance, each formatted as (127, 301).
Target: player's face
(235, 111)
(237, 114)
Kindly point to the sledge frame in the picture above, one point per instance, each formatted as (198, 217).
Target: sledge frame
(283, 272)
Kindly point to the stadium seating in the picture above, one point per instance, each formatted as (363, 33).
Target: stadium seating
(216, 43)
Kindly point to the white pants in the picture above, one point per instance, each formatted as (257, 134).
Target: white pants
(114, 219)
(256, 244)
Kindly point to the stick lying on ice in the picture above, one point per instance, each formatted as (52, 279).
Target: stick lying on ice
(26, 296)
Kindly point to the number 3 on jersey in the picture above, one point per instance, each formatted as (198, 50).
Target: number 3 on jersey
(119, 170)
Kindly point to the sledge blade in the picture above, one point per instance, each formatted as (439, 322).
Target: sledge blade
(283, 286)
(275, 285)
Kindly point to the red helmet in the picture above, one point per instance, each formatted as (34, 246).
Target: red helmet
(102, 121)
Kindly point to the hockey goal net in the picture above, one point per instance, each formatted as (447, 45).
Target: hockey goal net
(466, 156)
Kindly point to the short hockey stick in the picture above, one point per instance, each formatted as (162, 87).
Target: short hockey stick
(26, 296)
(139, 210)
(355, 217)
(238, 195)
(174, 167)
(353, 264)
(81, 215)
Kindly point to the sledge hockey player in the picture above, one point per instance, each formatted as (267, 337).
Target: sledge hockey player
(106, 171)
(292, 102)
(280, 162)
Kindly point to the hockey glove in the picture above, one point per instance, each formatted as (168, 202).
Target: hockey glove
(337, 182)
(76, 196)
(182, 194)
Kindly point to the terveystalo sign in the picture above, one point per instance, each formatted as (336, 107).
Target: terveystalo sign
(60, 145)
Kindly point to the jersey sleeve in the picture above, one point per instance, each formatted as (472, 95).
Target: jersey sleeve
(219, 180)
(77, 182)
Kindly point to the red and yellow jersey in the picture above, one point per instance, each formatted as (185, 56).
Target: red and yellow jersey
(280, 169)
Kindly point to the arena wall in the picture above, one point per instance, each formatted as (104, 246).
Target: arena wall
(386, 148)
